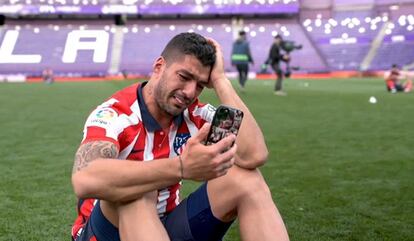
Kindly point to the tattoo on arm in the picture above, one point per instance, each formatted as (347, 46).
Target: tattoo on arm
(93, 150)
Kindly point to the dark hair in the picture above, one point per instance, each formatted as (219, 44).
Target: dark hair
(278, 37)
(242, 33)
(190, 44)
(394, 66)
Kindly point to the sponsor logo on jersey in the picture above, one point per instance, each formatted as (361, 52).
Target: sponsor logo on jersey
(106, 114)
(180, 141)
(101, 117)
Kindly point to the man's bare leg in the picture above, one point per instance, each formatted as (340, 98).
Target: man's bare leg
(136, 220)
(245, 193)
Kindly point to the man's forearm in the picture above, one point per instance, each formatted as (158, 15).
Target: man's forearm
(252, 150)
(121, 180)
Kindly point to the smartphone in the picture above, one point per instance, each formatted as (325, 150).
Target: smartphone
(226, 120)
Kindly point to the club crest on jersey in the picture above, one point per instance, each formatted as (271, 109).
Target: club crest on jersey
(180, 141)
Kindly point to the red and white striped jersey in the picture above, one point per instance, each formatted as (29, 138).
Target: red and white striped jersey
(125, 120)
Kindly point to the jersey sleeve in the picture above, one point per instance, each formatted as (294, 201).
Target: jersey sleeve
(103, 123)
(201, 113)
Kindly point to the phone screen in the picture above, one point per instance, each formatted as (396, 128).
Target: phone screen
(226, 120)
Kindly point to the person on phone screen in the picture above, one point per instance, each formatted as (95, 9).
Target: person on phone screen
(141, 142)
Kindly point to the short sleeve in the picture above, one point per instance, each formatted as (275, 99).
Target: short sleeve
(103, 124)
(200, 113)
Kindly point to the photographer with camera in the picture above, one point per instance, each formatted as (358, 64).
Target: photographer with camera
(279, 51)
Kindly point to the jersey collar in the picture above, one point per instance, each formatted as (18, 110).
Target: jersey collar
(150, 123)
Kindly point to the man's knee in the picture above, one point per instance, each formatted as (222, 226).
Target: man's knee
(249, 183)
(277, 70)
(279, 74)
(241, 186)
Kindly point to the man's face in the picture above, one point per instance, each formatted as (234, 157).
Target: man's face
(278, 41)
(180, 83)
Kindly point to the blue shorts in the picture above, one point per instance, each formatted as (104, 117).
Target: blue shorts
(191, 220)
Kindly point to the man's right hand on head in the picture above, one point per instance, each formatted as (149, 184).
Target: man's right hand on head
(201, 162)
(217, 74)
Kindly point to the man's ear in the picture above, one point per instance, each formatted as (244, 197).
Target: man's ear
(158, 65)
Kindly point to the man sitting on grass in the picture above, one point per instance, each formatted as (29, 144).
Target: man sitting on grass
(393, 81)
(142, 142)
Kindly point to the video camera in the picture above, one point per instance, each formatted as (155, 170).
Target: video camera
(289, 46)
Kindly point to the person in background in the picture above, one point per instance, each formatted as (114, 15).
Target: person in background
(47, 76)
(241, 57)
(276, 56)
(142, 142)
(393, 81)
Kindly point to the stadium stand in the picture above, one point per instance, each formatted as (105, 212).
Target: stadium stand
(344, 39)
(398, 45)
(158, 32)
(37, 44)
(109, 37)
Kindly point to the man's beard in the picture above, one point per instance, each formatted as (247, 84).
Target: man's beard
(162, 96)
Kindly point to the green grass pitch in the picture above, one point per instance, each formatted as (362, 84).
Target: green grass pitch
(340, 168)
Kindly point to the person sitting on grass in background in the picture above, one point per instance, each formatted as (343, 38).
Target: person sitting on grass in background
(393, 81)
(143, 141)
(47, 76)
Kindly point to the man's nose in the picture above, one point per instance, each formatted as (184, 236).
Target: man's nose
(190, 89)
